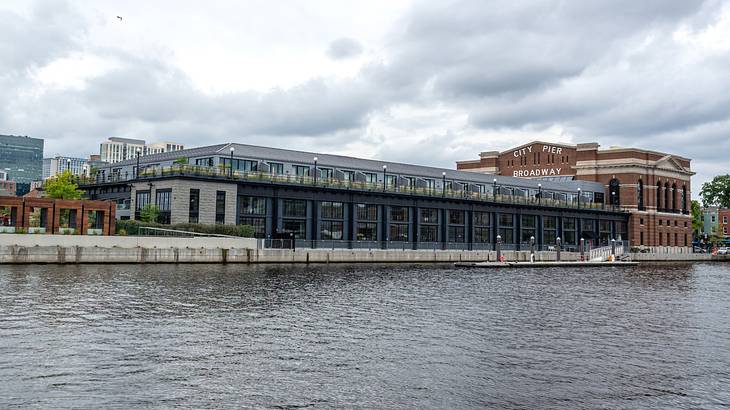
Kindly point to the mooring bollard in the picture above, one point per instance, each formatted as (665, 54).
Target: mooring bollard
(582, 249)
(557, 242)
(613, 250)
(532, 249)
(499, 248)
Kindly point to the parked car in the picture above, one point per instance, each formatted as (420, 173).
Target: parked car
(722, 251)
(697, 249)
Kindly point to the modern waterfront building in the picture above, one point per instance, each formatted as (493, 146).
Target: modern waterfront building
(60, 164)
(653, 186)
(117, 149)
(21, 160)
(333, 200)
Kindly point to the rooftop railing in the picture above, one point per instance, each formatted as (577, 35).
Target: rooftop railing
(264, 177)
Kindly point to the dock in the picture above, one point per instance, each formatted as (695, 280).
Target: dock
(543, 264)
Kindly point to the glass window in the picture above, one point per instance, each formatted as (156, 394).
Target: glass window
(367, 231)
(143, 199)
(456, 234)
(162, 200)
(399, 232)
(481, 234)
(371, 178)
(331, 210)
(390, 180)
(569, 231)
(301, 170)
(428, 233)
(367, 212)
(588, 225)
(251, 205)
(258, 224)
(194, 206)
(549, 230)
(399, 214)
(331, 230)
(296, 226)
(204, 162)
(429, 216)
(220, 207)
(481, 218)
(326, 173)
(456, 217)
(348, 175)
(295, 208)
(528, 225)
(506, 228)
(276, 168)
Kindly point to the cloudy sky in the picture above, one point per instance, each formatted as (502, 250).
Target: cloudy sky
(427, 82)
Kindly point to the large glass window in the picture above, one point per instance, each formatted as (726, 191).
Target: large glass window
(331, 230)
(258, 224)
(220, 207)
(506, 228)
(366, 212)
(204, 162)
(456, 233)
(371, 178)
(162, 200)
(604, 232)
(276, 168)
(194, 207)
(296, 226)
(142, 200)
(399, 232)
(640, 194)
(367, 231)
(549, 229)
(295, 208)
(569, 231)
(251, 205)
(301, 170)
(428, 233)
(244, 165)
(399, 214)
(528, 228)
(456, 217)
(331, 210)
(429, 216)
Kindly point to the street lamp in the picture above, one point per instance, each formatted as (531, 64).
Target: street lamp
(315, 170)
(539, 194)
(231, 171)
(443, 183)
(578, 198)
(139, 152)
(613, 199)
(385, 169)
(494, 189)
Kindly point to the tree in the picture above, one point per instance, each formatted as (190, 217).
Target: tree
(181, 160)
(63, 186)
(149, 213)
(716, 192)
(697, 222)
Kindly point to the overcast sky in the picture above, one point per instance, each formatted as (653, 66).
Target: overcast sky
(402, 80)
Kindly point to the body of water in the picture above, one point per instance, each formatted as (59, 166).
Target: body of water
(364, 336)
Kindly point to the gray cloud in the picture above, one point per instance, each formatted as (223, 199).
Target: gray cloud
(609, 71)
(343, 48)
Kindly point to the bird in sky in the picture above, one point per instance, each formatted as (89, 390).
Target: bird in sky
(120, 18)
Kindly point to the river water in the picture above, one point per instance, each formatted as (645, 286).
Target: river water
(364, 336)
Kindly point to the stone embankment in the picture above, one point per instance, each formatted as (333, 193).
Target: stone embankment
(19, 249)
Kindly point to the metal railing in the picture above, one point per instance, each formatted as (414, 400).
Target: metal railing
(264, 177)
(150, 231)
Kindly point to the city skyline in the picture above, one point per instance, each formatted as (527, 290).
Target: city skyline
(373, 80)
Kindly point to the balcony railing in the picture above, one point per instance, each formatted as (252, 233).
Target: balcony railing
(263, 177)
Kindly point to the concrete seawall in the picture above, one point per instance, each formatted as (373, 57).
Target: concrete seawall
(24, 249)
(110, 249)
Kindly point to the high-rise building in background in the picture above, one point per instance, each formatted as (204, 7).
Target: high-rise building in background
(117, 149)
(21, 160)
(59, 164)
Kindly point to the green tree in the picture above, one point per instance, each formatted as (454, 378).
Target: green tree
(697, 222)
(63, 186)
(181, 160)
(149, 213)
(716, 192)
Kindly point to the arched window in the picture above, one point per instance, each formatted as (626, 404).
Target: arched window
(614, 192)
(659, 196)
(684, 199)
(640, 194)
(674, 197)
(667, 204)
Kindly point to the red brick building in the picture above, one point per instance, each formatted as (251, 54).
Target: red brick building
(653, 186)
(57, 216)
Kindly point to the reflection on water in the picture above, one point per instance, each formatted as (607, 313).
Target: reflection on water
(364, 336)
